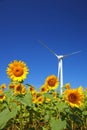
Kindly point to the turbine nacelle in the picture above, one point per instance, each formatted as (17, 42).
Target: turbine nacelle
(60, 56)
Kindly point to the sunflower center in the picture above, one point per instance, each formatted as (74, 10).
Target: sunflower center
(72, 98)
(1, 96)
(11, 86)
(40, 99)
(18, 88)
(18, 72)
(51, 82)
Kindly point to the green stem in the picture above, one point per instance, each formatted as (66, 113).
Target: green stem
(72, 125)
(86, 122)
(21, 122)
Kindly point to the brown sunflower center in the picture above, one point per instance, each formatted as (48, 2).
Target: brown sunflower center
(40, 99)
(11, 86)
(31, 89)
(72, 98)
(43, 89)
(1, 96)
(18, 88)
(51, 82)
(18, 71)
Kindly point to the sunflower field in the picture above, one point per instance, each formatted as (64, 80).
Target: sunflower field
(22, 107)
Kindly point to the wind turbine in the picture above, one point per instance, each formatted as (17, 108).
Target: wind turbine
(60, 63)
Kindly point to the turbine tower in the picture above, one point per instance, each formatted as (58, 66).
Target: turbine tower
(60, 63)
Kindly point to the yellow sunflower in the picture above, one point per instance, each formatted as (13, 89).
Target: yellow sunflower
(52, 82)
(1, 91)
(43, 88)
(40, 99)
(34, 99)
(17, 70)
(3, 86)
(31, 89)
(2, 96)
(34, 94)
(54, 95)
(67, 86)
(74, 97)
(47, 99)
(19, 89)
(11, 86)
(23, 91)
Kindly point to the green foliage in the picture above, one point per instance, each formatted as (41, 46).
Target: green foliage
(18, 112)
(27, 109)
(57, 124)
(26, 100)
(6, 115)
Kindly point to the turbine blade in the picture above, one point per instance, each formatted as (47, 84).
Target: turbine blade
(48, 48)
(71, 53)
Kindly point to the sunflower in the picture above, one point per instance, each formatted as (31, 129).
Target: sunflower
(31, 89)
(23, 91)
(37, 98)
(3, 86)
(54, 95)
(17, 70)
(34, 99)
(34, 94)
(40, 99)
(19, 89)
(2, 96)
(67, 86)
(52, 82)
(11, 86)
(47, 99)
(74, 97)
(1, 91)
(43, 88)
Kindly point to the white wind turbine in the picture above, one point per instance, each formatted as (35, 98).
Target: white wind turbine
(60, 63)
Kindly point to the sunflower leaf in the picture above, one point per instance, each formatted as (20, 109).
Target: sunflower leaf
(27, 100)
(5, 116)
(57, 124)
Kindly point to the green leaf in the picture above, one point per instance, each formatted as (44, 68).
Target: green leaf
(84, 113)
(43, 128)
(57, 124)
(61, 106)
(5, 116)
(48, 95)
(27, 100)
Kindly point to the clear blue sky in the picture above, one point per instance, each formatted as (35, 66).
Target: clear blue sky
(61, 24)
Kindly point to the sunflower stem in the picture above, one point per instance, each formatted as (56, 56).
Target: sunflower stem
(86, 122)
(72, 125)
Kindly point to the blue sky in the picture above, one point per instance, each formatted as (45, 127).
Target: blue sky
(61, 24)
